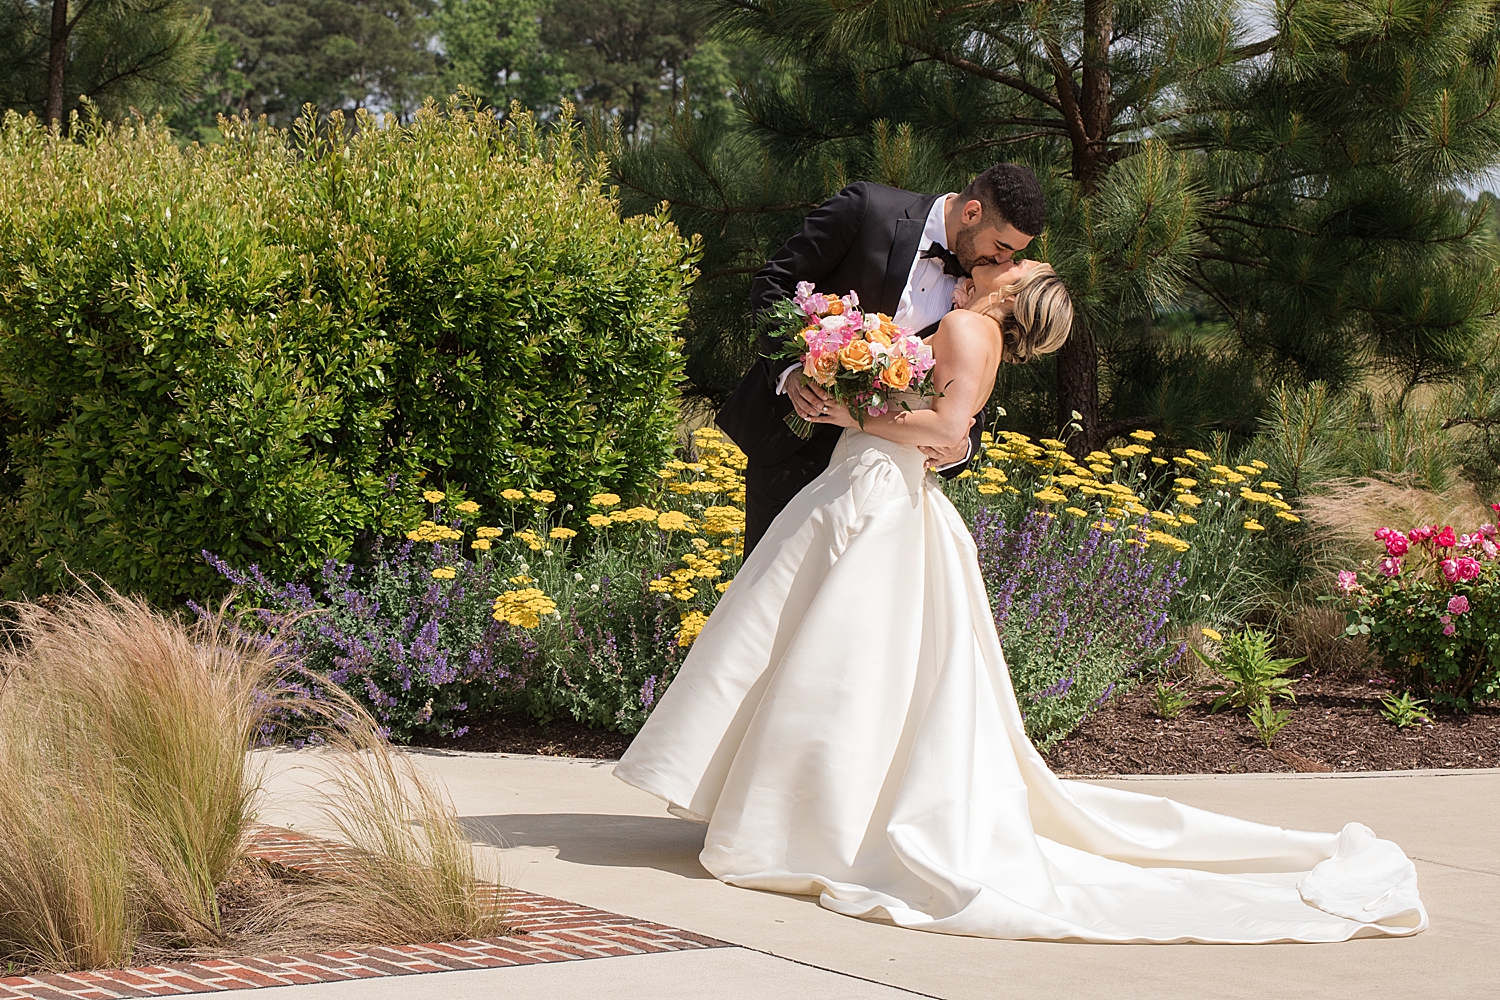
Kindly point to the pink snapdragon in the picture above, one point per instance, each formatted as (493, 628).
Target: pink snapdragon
(1458, 604)
(1348, 581)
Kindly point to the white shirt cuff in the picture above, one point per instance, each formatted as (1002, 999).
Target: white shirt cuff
(953, 465)
(781, 382)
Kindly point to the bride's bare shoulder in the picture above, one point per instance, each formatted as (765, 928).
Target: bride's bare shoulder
(969, 328)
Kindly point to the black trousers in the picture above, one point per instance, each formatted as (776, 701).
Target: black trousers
(769, 488)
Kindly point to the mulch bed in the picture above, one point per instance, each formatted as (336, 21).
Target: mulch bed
(1336, 726)
(523, 734)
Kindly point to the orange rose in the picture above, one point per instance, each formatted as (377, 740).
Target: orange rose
(835, 306)
(878, 336)
(821, 369)
(857, 357)
(897, 373)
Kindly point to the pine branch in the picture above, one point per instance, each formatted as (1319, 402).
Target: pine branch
(975, 69)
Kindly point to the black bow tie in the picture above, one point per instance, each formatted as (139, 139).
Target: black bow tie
(951, 265)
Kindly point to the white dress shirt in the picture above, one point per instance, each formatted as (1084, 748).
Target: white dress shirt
(928, 294)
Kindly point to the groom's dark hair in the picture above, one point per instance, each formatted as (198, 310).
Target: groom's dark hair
(1009, 193)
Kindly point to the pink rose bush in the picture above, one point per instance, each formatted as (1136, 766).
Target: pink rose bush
(1431, 607)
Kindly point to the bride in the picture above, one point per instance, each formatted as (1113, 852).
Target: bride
(846, 727)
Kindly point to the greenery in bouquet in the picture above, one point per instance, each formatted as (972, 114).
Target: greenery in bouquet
(520, 611)
(864, 359)
(1431, 607)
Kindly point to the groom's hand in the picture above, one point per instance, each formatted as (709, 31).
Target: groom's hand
(808, 398)
(938, 457)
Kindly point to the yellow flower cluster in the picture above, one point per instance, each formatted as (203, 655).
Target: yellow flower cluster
(444, 573)
(431, 531)
(542, 496)
(605, 500)
(562, 533)
(523, 608)
(512, 494)
(723, 521)
(531, 539)
(675, 520)
(489, 532)
(692, 624)
(1064, 479)
(678, 583)
(467, 507)
(433, 496)
(716, 473)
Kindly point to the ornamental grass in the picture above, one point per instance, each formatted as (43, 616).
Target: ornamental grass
(126, 796)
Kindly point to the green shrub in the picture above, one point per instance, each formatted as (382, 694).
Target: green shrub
(254, 347)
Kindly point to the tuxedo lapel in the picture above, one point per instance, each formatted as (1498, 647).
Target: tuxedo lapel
(903, 251)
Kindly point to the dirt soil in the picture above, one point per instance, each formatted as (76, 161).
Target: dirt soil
(523, 734)
(1335, 726)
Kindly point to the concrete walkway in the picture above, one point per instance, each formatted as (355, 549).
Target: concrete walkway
(569, 829)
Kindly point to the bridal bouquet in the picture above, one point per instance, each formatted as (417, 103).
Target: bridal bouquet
(861, 358)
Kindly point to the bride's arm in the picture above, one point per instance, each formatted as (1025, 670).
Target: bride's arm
(966, 353)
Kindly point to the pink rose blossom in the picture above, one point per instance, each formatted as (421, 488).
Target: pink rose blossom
(1395, 544)
(1390, 566)
(1468, 568)
(1445, 538)
(1421, 534)
(1348, 580)
(1458, 604)
(1449, 628)
(1489, 548)
(1383, 533)
(1450, 570)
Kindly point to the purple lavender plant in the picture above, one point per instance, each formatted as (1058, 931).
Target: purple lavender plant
(1078, 618)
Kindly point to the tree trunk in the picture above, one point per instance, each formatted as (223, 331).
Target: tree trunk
(1078, 361)
(1078, 388)
(57, 61)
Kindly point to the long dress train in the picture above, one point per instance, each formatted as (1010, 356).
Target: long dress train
(846, 726)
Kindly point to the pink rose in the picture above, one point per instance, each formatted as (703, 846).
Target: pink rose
(1468, 568)
(1383, 533)
(1458, 604)
(1421, 534)
(1348, 580)
(1449, 628)
(1489, 548)
(1445, 538)
(1450, 570)
(1390, 566)
(1395, 544)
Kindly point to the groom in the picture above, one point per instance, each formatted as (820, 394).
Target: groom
(902, 253)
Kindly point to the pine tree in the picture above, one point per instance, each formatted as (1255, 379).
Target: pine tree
(118, 55)
(1231, 203)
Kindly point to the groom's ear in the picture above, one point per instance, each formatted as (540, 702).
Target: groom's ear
(972, 212)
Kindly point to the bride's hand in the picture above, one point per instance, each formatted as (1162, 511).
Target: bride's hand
(835, 413)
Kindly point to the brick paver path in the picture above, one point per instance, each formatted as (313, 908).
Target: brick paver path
(546, 930)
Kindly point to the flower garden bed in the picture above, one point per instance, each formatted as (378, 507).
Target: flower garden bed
(1336, 726)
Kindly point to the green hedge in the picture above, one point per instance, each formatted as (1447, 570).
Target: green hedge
(258, 346)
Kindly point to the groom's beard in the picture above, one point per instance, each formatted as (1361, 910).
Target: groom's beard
(963, 249)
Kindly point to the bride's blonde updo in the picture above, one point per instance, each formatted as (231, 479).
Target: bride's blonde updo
(1038, 318)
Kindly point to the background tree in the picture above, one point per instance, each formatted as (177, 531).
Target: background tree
(336, 54)
(119, 54)
(1231, 203)
(493, 49)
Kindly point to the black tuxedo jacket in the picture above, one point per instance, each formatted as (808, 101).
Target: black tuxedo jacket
(864, 238)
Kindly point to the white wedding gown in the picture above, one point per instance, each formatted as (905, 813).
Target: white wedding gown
(845, 724)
